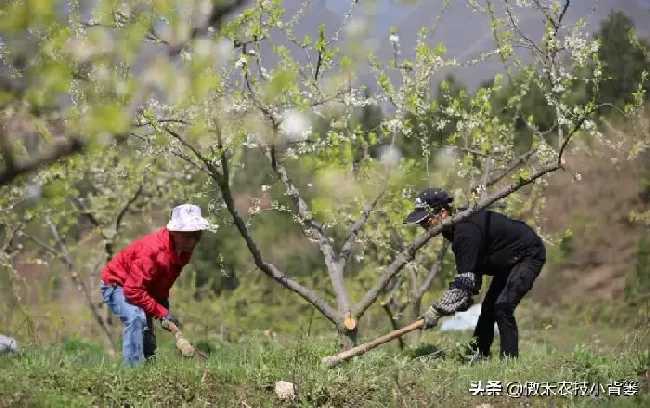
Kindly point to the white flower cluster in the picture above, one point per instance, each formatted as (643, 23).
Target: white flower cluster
(579, 47)
(255, 206)
(355, 100)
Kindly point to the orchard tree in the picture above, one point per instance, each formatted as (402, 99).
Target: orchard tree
(270, 108)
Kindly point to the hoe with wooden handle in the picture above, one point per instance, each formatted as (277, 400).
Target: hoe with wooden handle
(183, 345)
(332, 361)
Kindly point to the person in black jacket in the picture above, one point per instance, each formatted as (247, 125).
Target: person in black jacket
(486, 243)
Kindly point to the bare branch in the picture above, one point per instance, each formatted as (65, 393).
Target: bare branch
(475, 152)
(146, 123)
(518, 161)
(180, 155)
(346, 250)
(318, 65)
(64, 255)
(409, 253)
(576, 127)
(127, 205)
(562, 13)
(527, 42)
(210, 166)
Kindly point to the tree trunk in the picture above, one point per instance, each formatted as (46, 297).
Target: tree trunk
(347, 338)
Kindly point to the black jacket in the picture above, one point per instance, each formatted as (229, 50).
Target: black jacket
(489, 243)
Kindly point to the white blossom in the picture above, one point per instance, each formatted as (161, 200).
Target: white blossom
(241, 62)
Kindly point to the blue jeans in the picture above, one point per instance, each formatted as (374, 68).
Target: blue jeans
(139, 340)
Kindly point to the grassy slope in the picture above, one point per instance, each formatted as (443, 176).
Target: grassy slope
(77, 374)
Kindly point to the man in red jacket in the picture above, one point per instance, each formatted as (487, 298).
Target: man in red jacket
(136, 282)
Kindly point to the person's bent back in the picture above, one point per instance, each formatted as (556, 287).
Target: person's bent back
(136, 282)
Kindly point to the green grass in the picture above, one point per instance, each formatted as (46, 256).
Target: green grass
(78, 374)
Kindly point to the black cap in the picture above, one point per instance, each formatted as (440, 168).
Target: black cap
(428, 201)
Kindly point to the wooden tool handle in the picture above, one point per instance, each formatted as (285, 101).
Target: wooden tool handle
(183, 345)
(173, 328)
(332, 361)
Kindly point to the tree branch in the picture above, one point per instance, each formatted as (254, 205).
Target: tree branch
(518, 161)
(312, 229)
(409, 253)
(528, 42)
(269, 269)
(576, 127)
(346, 250)
(393, 322)
(125, 208)
(64, 248)
(210, 166)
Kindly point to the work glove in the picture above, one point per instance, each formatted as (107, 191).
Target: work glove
(164, 322)
(431, 317)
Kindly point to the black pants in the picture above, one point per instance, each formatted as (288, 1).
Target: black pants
(149, 339)
(504, 294)
(149, 345)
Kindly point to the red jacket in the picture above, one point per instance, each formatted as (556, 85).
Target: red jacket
(146, 270)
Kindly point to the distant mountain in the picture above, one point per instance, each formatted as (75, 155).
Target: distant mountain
(466, 34)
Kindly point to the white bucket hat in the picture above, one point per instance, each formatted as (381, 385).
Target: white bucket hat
(187, 217)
